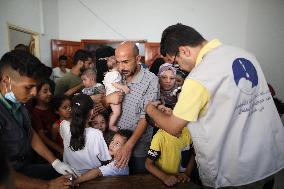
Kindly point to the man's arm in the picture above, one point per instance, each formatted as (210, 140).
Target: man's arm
(49, 142)
(97, 98)
(73, 90)
(41, 149)
(123, 155)
(23, 182)
(122, 87)
(44, 152)
(165, 121)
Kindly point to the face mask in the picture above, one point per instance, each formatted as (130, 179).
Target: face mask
(10, 95)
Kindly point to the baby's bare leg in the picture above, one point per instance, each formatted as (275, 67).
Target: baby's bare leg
(116, 111)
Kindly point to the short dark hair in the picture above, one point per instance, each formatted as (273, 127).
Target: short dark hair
(22, 47)
(25, 64)
(104, 51)
(178, 35)
(125, 133)
(182, 73)
(62, 57)
(82, 55)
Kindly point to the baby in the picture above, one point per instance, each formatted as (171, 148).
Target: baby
(113, 83)
(89, 78)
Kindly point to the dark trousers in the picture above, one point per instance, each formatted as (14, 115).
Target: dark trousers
(39, 171)
(137, 165)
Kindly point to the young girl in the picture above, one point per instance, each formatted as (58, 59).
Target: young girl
(100, 121)
(167, 77)
(113, 83)
(180, 77)
(61, 106)
(84, 147)
(42, 116)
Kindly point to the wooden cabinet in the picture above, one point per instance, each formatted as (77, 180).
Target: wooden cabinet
(152, 51)
(93, 45)
(61, 47)
(149, 50)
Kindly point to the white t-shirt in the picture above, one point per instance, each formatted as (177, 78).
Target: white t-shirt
(110, 78)
(57, 73)
(111, 170)
(89, 157)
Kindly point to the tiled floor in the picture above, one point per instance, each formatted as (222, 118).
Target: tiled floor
(279, 181)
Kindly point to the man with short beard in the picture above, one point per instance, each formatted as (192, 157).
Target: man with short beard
(144, 87)
(71, 82)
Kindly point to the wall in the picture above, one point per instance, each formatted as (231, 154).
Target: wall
(256, 25)
(147, 19)
(17, 37)
(265, 38)
(28, 14)
(50, 28)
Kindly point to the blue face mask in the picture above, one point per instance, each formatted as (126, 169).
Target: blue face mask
(10, 95)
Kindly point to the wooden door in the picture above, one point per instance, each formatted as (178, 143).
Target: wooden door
(67, 48)
(152, 51)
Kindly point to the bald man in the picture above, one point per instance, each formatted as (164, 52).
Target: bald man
(144, 87)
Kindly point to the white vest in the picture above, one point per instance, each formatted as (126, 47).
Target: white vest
(240, 138)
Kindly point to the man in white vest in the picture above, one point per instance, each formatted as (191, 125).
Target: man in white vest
(226, 105)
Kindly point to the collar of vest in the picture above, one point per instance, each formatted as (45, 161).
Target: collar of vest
(208, 47)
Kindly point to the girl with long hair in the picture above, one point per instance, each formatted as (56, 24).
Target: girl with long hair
(84, 147)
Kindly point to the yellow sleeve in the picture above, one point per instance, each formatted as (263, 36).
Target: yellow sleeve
(192, 101)
(155, 143)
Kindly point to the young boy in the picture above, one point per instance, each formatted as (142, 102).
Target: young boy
(89, 78)
(118, 140)
(164, 156)
(113, 83)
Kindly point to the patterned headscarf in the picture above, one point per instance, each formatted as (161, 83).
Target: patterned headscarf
(165, 67)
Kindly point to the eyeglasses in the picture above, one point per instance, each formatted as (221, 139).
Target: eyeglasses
(174, 62)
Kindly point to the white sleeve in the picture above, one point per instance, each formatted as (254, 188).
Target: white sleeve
(64, 129)
(116, 77)
(112, 77)
(103, 149)
(111, 170)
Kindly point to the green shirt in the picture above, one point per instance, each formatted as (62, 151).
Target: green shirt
(67, 82)
(13, 107)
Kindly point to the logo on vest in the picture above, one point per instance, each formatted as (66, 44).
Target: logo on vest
(245, 75)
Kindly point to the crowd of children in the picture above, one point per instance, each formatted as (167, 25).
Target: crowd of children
(86, 137)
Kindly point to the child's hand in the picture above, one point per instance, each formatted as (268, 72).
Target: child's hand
(170, 180)
(182, 177)
(126, 90)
